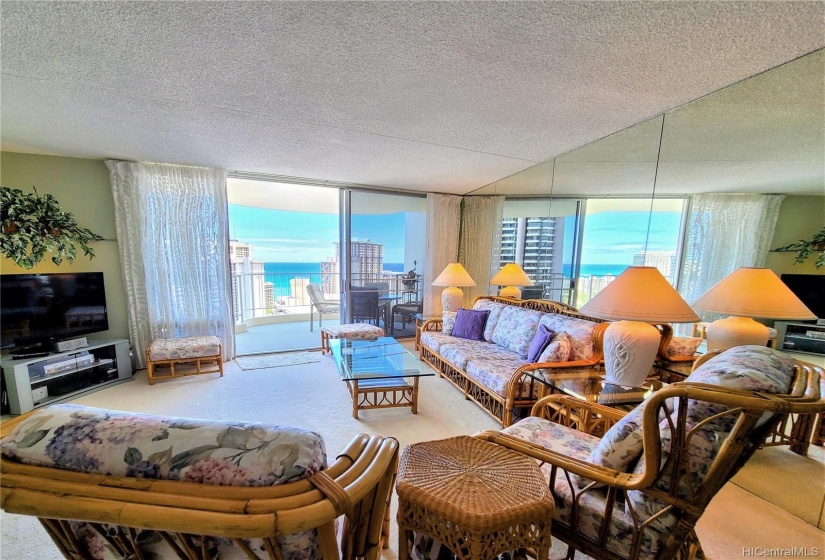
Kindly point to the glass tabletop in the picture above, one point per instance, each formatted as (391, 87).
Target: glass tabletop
(382, 358)
(591, 385)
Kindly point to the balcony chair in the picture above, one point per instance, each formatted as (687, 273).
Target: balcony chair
(406, 311)
(364, 305)
(633, 485)
(139, 487)
(532, 292)
(321, 304)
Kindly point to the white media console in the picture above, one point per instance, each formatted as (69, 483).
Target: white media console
(33, 382)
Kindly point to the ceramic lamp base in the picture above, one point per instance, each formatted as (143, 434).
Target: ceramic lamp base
(511, 292)
(736, 331)
(630, 348)
(451, 299)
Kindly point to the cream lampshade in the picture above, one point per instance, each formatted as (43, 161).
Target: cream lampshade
(511, 275)
(452, 277)
(747, 293)
(637, 297)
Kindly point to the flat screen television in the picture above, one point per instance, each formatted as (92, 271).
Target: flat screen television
(36, 309)
(810, 288)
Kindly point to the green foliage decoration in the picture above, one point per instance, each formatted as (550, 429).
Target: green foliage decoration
(32, 225)
(805, 249)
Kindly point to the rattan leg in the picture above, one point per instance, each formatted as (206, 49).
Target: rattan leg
(404, 538)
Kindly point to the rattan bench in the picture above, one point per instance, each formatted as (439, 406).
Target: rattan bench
(194, 355)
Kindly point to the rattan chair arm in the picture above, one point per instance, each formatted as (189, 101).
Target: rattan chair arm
(431, 325)
(572, 402)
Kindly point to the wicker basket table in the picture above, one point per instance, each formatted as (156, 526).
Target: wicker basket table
(477, 498)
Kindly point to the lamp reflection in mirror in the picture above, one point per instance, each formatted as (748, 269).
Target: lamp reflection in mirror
(637, 297)
(744, 294)
(453, 276)
(511, 275)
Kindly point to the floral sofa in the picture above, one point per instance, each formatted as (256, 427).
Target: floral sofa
(622, 491)
(141, 486)
(493, 372)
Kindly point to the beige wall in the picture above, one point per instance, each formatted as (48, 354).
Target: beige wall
(82, 187)
(800, 217)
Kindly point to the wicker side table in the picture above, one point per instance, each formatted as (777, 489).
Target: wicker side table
(477, 498)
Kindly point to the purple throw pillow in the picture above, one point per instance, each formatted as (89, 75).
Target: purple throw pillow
(469, 323)
(540, 342)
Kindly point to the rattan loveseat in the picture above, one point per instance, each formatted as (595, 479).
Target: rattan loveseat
(633, 485)
(493, 372)
(122, 485)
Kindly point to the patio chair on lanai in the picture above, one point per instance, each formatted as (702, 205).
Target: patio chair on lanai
(321, 304)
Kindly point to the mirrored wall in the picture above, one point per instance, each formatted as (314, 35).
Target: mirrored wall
(764, 135)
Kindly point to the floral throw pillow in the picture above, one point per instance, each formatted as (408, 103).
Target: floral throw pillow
(683, 346)
(558, 350)
(448, 322)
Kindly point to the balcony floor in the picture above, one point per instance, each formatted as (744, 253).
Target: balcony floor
(284, 337)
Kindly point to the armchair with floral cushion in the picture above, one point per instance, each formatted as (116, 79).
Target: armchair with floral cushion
(633, 486)
(108, 484)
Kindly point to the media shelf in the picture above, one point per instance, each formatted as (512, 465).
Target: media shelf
(34, 382)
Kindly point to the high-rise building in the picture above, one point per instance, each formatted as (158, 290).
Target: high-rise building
(535, 244)
(665, 261)
(367, 260)
(248, 290)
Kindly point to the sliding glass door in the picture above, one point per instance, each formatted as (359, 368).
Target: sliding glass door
(383, 248)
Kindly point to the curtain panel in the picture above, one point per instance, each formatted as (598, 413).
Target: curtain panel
(172, 229)
(443, 222)
(480, 244)
(726, 232)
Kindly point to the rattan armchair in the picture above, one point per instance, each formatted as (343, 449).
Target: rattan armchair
(188, 516)
(650, 512)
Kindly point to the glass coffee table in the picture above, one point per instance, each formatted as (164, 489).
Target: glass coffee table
(379, 373)
(589, 384)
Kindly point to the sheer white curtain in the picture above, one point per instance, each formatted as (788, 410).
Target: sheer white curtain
(172, 230)
(443, 222)
(725, 232)
(480, 246)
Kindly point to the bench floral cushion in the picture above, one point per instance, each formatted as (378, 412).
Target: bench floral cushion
(495, 308)
(580, 332)
(108, 442)
(516, 328)
(184, 348)
(354, 331)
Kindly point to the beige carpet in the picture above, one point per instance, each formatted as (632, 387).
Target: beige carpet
(263, 361)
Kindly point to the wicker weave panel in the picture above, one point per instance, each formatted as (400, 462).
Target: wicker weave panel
(478, 498)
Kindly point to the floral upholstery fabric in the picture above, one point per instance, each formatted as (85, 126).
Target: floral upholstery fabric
(494, 374)
(495, 309)
(516, 328)
(459, 351)
(354, 331)
(683, 346)
(554, 437)
(435, 339)
(621, 445)
(184, 348)
(102, 441)
(579, 331)
(747, 368)
(448, 321)
(558, 350)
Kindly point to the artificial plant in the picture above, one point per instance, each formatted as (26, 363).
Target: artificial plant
(32, 225)
(805, 249)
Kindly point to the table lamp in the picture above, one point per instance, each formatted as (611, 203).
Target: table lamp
(511, 275)
(453, 276)
(637, 297)
(747, 293)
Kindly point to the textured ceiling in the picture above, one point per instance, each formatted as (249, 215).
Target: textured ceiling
(434, 96)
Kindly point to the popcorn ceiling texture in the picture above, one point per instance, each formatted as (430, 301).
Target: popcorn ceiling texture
(441, 96)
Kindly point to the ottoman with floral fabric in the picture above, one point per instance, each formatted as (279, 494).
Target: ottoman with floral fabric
(106, 442)
(193, 355)
(351, 331)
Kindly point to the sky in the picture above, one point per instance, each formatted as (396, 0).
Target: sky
(610, 237)
(285, 236)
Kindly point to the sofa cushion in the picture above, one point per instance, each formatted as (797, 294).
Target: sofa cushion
(494, 374)
(539, 343)
(683, 346)
(459, 351)
(434, 340)
(558, 350)
(516, 327)
(579, 330)
(495, 308)
(469, 323)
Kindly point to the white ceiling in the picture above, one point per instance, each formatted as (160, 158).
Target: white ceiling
(429, 96)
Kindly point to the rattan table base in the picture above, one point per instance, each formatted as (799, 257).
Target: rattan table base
(477, 498)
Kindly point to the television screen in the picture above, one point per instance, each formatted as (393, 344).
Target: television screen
(36, 308)
(810, 288)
